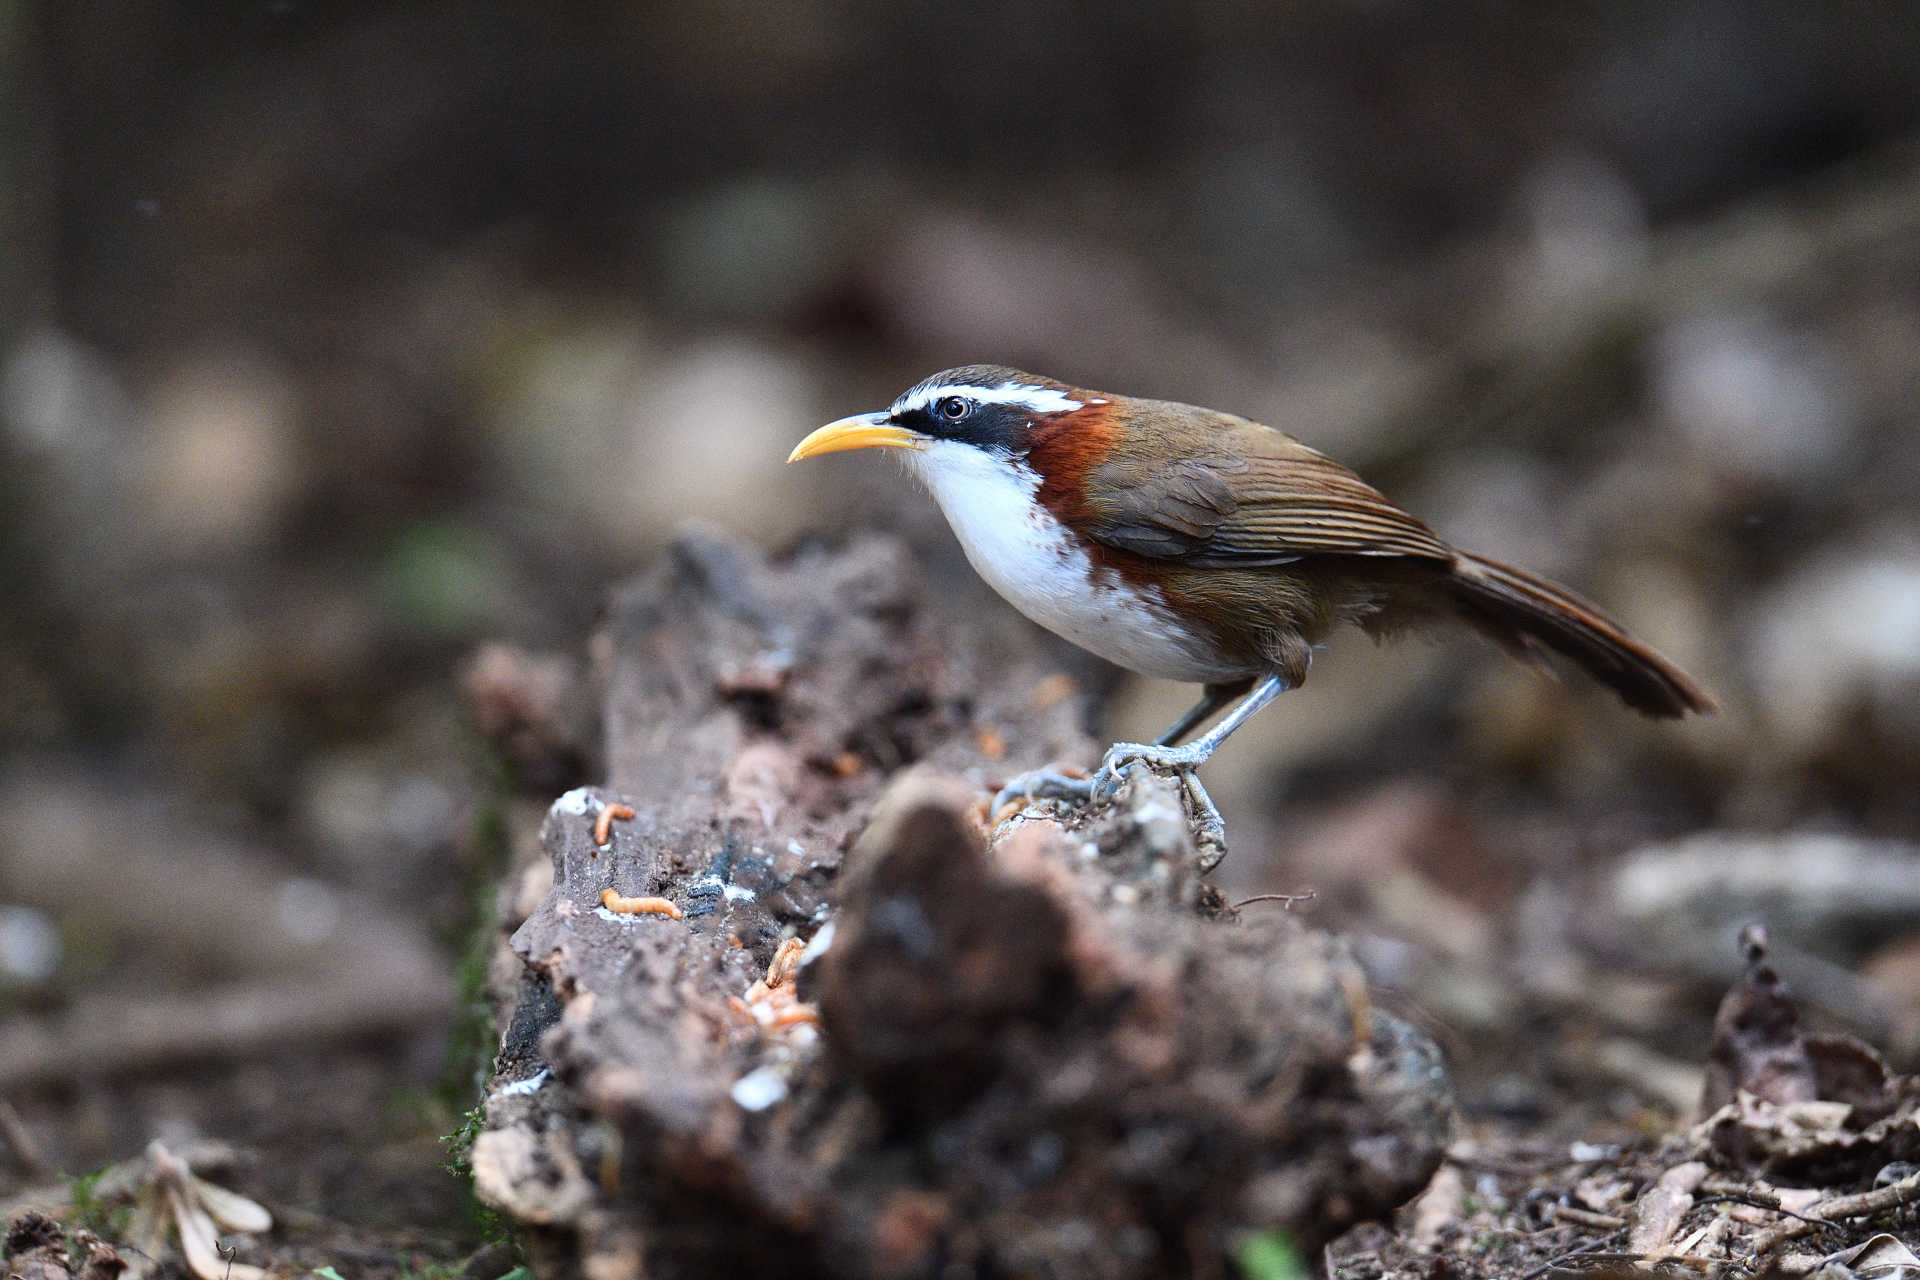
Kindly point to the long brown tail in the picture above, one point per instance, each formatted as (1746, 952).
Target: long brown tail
(1519, 611)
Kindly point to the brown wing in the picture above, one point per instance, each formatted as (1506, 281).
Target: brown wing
(1229, 493)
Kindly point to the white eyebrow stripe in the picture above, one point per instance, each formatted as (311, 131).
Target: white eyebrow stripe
(1027, 396)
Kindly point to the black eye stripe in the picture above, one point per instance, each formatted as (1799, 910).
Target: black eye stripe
(954, 408)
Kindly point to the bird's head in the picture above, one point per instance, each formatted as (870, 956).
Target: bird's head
(959, 419)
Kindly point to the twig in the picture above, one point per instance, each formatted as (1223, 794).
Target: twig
(1506, 1168)
(1757, 1200)
(1650, 1259)
(1287, 898)
(389, 983)
(1588, 1249)
(26, 1150)
(1859, 1205)
(1585, 1217)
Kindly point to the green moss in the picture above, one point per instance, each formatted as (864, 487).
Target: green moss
(90, 1211)
(473, 1037)
(433, 1271)
(1270, 1255)
(459, 1143)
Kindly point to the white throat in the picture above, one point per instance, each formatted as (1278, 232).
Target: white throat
(1041, 568)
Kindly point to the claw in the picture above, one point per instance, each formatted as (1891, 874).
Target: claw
(1123, 758)
(1111, 777)
(1210, 839)
(1047, 784)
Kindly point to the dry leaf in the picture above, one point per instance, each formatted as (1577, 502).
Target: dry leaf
(1657, 1213)
(1879, 1258)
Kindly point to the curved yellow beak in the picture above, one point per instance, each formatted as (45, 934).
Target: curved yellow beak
(861, 431)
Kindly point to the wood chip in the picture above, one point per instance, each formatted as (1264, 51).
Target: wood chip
(785, 963)
(1440, 1206)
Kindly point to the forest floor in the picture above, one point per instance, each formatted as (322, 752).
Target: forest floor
(1572, 1149)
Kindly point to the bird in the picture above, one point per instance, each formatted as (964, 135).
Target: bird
(1199, 546)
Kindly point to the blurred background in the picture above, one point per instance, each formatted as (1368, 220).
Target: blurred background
(338, 338)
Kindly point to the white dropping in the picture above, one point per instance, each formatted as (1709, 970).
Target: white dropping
(530, 1085)
(759, 1089)
(575, 804)
(1024, 394)
(1043, 570)
(818, 945)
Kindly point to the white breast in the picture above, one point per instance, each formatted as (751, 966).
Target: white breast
(1031, 558)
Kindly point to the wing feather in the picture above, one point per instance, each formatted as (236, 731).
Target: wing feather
(1249, 496)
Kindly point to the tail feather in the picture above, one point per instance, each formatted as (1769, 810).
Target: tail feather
(1520, 611)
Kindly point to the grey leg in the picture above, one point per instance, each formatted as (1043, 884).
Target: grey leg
(1201, 749)
(1215, 697)
(1123, 757)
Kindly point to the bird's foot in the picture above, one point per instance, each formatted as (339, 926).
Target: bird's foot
(1043, 784)
(1123, 757)
(1121, 761)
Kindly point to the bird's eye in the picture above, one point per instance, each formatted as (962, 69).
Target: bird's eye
(954, 408)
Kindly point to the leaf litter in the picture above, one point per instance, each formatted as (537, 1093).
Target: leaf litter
(1804, 1164)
